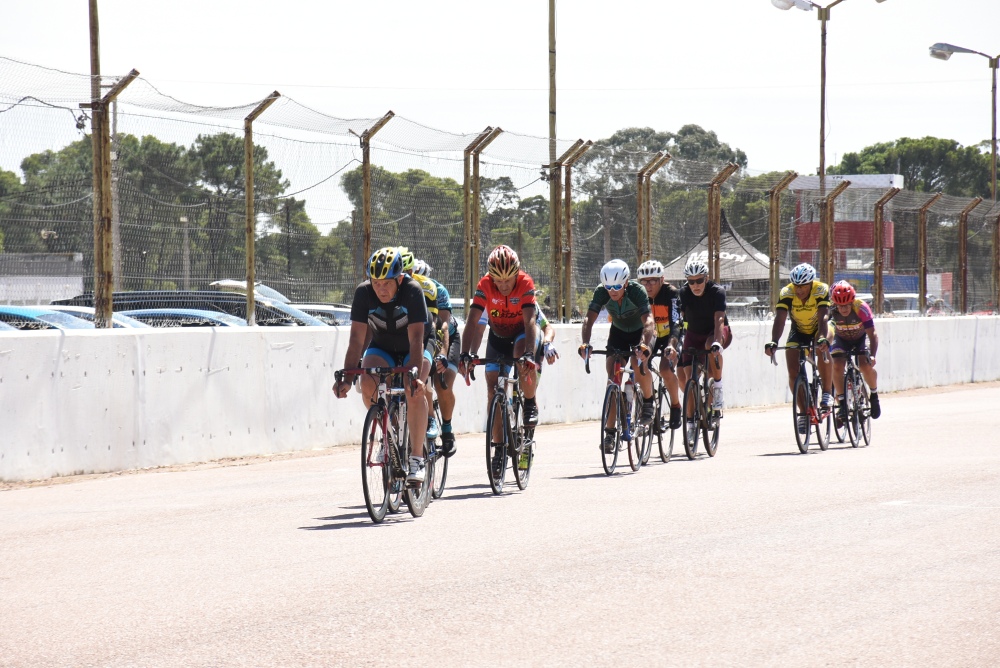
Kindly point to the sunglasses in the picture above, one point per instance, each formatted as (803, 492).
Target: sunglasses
(613, 288)
(696, 281)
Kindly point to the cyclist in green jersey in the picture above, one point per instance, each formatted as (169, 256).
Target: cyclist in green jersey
(632, 324)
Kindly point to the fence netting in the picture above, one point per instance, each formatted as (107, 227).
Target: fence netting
(179, 205)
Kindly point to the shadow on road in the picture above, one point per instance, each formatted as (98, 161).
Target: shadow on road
(785, 454)
(357, 520)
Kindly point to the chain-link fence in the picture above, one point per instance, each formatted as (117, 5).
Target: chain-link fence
(328, 190)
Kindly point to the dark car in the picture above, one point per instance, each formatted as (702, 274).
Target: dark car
(266, 312)
(331, 314)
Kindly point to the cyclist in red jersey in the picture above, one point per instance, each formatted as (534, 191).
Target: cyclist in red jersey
(507, 295)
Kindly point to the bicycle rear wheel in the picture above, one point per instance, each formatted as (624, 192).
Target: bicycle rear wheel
(851, 399)
(609, 459)
(664, 434)
(840, 429)
(375, 465)
(440, 474)
(710, 429)
(637, 432)
(496, 453)
(800, 413)
(398, 432)
(524, 449)
(864, 412)
(692, 423)
(822, 417)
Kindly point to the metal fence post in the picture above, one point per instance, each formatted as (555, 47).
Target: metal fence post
(366, 181)
(774, 235)
(826, 249)
(251, 211)
(715, 219)
(471, 265)
(963, 253)
(921, 255)
(569, 291)
(878, 246)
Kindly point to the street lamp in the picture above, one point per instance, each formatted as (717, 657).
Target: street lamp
(823, 14)
(943, 51)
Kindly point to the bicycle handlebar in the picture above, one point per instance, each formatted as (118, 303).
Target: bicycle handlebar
(619, 353)
(380, 371)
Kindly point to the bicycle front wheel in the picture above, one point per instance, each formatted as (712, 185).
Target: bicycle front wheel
(852, 425)
(375, 464)
(610, 437)
(800, 413)
(822, 417)
(691, 423)
(664, 434)
(496, 453)
(418, 497)
(864, 408)
(710, 428)
(398, 434)
(440, 474)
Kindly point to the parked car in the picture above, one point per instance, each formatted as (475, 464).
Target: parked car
(240, 287)
(267, 312)
(87, 313)
(38, 317)
(331, 314)
(4, 327)
(184, 317)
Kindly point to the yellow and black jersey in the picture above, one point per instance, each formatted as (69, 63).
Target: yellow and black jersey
(804, 314)
(430, 292)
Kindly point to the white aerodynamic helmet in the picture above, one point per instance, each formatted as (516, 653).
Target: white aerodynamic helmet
(650, 269)
(422, 268)
(695, 267)
(802, 274)
(614, 273)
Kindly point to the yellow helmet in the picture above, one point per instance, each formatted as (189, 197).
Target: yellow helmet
(407, 258)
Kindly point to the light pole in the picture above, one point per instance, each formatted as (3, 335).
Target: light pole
(943, 52)
(823, 14)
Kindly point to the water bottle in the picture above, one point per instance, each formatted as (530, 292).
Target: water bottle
(629, 392)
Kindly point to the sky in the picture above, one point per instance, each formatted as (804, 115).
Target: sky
(740, 68)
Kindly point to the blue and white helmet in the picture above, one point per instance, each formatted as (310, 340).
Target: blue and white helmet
(803, 274)
(695, 267)
(615, 272)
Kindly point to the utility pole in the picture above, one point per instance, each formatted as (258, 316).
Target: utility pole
(554, 231)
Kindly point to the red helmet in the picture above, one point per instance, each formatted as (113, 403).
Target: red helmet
(842, 293)
(503, 263)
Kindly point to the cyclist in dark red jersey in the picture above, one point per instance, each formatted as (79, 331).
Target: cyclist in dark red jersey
(506, 294)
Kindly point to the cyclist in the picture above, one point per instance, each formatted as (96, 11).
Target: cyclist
(506, 294)
(703, 308)
(389, 308)
(851, 320)
(808, 302)
(451, 347)
(631, 325)
(431, 343)
(664, 302)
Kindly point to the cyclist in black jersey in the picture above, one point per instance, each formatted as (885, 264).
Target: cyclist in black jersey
(703, 306)
(389, 311)
(664, 302)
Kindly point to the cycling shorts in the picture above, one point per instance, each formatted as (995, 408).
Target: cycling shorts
(504, 348)
(622, 341)
(798, 339)
(841, 347)
(702, 342)
(394, 359)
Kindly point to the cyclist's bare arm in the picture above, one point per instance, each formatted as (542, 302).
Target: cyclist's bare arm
(415, 334)
(548, 333)
(588, 326)
(444, 317)
(872, 341)
(355, 346)
(779, 325)
(720, 326)
(530, 315)
(473, 333)
(648, 330)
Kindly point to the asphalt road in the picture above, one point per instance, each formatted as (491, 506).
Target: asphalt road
(887, 556)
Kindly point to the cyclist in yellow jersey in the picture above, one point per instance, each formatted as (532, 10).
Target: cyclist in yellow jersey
(807, 301)
(429, 289)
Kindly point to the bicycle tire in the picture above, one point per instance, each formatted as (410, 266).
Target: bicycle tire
(840, 432)
(648, 432)
(375, 465)
(417, 498)
(496, 474)
(635, 431)
(710, 427)
(865, 414)
(523, 445)
(396, 484)
(850, 398)
(691, 435)
(822, 423)
(610, 459)
(440, 475)
(801, 397)
(663, 427)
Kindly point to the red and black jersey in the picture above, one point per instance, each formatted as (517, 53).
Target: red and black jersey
(504, 313)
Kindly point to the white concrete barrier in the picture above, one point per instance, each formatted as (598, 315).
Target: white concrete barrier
(85, 401)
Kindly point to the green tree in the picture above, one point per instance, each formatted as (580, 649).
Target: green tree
(927, 165)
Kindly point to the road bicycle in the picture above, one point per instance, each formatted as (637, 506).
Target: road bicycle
(518, 443)
(703, 420)
(806, 394)
(385, 446)
(625, 404)
(859, 413)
